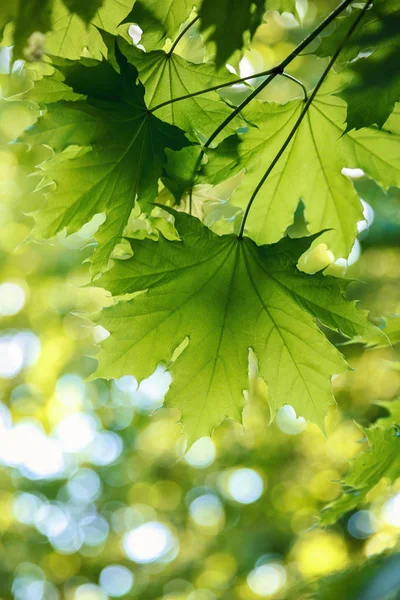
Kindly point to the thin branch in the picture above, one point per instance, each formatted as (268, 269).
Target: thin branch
(300, 83)
(277, 71)
(281, 67)
(302, 115)
(216, 87)
(182, 33)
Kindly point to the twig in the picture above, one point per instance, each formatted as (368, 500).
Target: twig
(301, 116)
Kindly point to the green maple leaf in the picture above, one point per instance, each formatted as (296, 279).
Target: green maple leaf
(376, 86)
(375, 89)
(282, 6)
(109, 152)
(227, 21)
(159, 20)
(48, 90)
(379, 24)
(70, 35)
(166, 76)
(224, 296)
(377, 151)
(180, 168)
(29, 16)
(309, 169)
(85, 10)
(368, 468)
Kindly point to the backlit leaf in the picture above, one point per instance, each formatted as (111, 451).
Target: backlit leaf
(109, 152)
(224, 296)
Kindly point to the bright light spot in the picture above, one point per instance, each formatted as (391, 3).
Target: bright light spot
(30, 346)
(31, 586)
(89, 591)
(207, 511)
(135, 33)
(52, 519)
(26, 574)
(116, 580)
(84, 486)
(353, 173)
(301, 8)
(16, 350)
(361, 525)
(246, 68)
(368, 212)
(127, 383)
(202, 454)
(353, 256)
(100, 334)
(151, 391)
(43, 590)
(11, 358)
(5, 418)
(62, 530)
(288, 422)
(12, 299)
(94, 530)
(27, 447)
(148, 542)
(267, 579)
(70, 390)
(44, 457)
(318, 553)
(26, 507)
(245, 485)
(105, 448)
(391, 511)
(231, 69)
(369, 215)
(76, 432)
(252, 62)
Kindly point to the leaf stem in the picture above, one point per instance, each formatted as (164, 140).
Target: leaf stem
(302, 115)
(182, 33)
(281, 67)
(215, 88)
(300, 83)
(278, 70)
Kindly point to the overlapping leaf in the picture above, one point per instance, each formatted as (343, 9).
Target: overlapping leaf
(67, 20)
(367, 468)
(224, 296)
(309, 169)
(70, 35)
(227, 22)
(109, 152)
(159, 20)
(235, 16)
(376, 85)
(376, 88)
(167, 76)
(85, 10)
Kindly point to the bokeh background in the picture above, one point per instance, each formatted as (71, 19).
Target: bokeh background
(99, 497)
